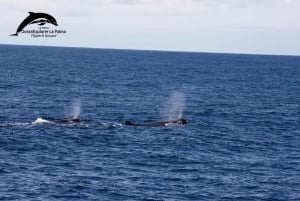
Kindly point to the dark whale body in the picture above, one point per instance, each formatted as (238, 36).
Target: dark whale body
(159, 123)
(41, 120)
(67, 121)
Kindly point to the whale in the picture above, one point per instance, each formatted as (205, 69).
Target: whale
(158, 123)
(67, 121)
(40, 18)
(57, 121)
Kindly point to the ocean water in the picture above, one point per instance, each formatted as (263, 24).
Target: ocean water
(242, 140)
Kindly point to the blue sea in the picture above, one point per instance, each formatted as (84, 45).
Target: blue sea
(241, 142)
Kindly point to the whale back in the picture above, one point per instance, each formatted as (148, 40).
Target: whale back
(158, 123)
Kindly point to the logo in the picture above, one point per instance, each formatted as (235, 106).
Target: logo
(41, 19)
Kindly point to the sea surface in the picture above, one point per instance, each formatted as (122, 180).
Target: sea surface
(242, 140)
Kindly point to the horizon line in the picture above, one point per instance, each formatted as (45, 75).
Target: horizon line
(157, 50)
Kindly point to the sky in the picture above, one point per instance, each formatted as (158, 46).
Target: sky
(229, 26)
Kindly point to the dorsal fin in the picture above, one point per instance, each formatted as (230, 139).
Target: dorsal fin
(31, 13)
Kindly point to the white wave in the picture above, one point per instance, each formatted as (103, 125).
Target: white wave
(41, 121)
(16, 124)
(117, 124)
(111, 124)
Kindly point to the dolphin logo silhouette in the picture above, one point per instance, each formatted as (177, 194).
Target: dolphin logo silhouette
(40, 18)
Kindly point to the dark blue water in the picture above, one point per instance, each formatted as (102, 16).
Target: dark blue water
(242, 141)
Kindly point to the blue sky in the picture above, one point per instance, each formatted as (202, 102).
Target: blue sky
(233, 26)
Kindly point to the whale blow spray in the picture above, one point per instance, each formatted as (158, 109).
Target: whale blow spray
(75, 109)
(175, 106)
